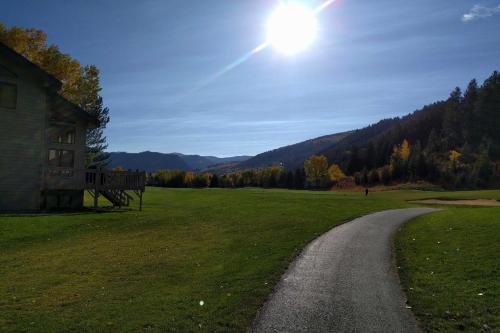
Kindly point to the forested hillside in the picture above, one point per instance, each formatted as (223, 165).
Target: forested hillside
(455, 142)
(292, 156)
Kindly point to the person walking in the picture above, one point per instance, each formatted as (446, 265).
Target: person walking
(366, 192)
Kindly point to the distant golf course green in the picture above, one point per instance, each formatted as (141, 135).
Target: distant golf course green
(205, 260)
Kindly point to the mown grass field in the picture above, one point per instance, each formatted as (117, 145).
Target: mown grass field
(450, 269)
(193, 260)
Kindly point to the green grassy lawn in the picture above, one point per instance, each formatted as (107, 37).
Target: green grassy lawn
(450, 269)
(149, 271)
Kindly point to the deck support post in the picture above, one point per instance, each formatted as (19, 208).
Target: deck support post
(96, 197)
(140, 201)
(96, 188)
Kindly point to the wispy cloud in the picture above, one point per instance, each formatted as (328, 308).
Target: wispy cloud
(479, 12)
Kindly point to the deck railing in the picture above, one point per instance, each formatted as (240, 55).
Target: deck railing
(114, 180)
(90, 179)
(112, 185)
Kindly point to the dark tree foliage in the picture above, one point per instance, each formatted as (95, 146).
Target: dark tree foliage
(455, 143)
(214, 181)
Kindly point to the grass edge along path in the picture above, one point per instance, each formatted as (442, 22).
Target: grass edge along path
(449, 269)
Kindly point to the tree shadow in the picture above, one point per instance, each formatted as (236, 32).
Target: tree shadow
(84, 211)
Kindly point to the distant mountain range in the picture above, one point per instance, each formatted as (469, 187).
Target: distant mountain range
(152, 161)
(291, 156)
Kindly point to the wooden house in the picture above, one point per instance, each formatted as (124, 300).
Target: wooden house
(42, 145)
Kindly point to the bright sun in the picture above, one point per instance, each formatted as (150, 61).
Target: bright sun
(291, 28)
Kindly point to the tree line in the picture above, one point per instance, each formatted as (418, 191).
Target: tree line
(315, 174)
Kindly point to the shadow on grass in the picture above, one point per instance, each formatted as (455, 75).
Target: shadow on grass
(84, 211)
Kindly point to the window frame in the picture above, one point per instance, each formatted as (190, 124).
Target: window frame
(59, 158)
(60, 133)
(16, 95)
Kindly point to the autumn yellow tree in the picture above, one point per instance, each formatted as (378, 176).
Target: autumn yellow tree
(399, 159)
(335, 173)
(454, 158)
(207, 177)
(118, 168)
(404, 150)
(32, 43)
(316, 167)
(188, 179)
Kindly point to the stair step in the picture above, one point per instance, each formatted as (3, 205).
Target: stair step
(116, 197)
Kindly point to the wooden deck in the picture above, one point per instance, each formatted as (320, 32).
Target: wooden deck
(113, 185)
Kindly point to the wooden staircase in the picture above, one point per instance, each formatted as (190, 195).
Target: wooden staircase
(119, 198)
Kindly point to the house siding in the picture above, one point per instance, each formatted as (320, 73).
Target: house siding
(27, 182)
(21, 135)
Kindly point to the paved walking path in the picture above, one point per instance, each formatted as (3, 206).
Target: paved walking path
(344, 281)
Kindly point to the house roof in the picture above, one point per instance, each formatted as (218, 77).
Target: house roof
(60, 101)
(52, 82)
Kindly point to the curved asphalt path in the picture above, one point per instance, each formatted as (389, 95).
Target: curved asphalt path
(344, 281)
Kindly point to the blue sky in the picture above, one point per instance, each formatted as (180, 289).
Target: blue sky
(371, 60)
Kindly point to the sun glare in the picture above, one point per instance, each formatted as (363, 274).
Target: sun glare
(291, 28)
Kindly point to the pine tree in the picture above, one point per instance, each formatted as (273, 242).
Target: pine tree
(487, 113)
(453, 120)
(91, 102)
(370, 157)
(386, 175)
(469, 126)
(354, 161)
(373, 177)
(300, 178)
(214, 181)
(289, 179)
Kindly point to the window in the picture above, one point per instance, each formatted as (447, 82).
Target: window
(61, 158)
(8, 95)
(53, 158)
(67, 158)
(62, 135)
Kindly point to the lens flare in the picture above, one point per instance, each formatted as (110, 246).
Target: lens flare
(291, 28)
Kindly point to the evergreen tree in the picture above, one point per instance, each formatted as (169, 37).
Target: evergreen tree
(214, 181)
(373, 177)
(386, 175)
(453, 120)
(469, 125)
(91, 101)
(370, 157)
(487, 113)
(289, 179)
(354, 161)
(483, 169)
(300, 178)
